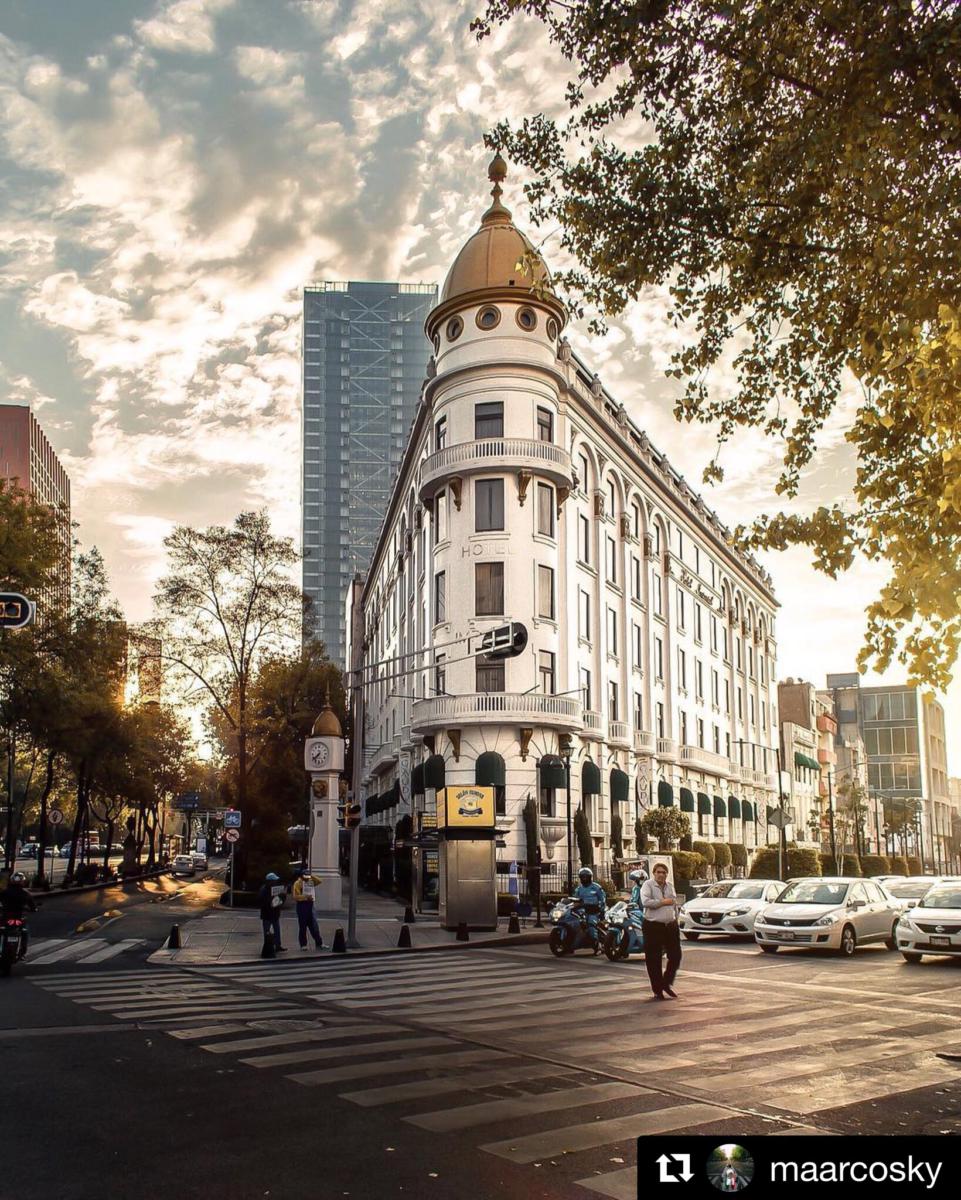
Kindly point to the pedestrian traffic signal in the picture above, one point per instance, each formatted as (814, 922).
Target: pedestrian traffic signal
(506, 641)
(353, 813)
(16, 610)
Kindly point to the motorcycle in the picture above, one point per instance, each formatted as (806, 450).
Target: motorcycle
(12, 940)
(572, 932)
(624, 934)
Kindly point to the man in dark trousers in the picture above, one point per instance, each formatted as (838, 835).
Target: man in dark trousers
(661, 933)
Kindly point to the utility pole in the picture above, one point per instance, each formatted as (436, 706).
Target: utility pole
(357, 747)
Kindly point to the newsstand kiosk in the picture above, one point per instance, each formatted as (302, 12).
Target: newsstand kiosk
(468, 878)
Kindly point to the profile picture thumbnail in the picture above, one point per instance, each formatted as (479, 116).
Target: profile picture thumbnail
(730, 1168)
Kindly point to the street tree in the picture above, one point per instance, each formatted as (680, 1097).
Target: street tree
(791, 174)
(666, 825)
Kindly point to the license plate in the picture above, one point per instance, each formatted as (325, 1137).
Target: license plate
(940, 941)
(703, 917)
(788, 935)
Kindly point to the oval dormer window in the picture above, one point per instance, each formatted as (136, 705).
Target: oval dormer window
(488, 317)
(455, 327)
(552, 330)
(527, 319)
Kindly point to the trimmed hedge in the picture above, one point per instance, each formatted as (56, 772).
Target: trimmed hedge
(802, 861)
(686, 842)
(686, 865)
(850, 864)
(706, 851)
(738, 854)
(914, 865)
(722, 855)
(764, 864)
(875, 864)
(899, 865)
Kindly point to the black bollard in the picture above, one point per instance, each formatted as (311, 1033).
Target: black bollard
(403, 942)
(173, 940)
(513, 925)
(409, 918)
(462, 934)
(340, 943)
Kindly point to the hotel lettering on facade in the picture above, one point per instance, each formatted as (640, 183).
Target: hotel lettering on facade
(526, 494)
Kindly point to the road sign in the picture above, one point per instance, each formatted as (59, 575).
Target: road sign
(16, 610)
(187, 800)
(780, 818)
(232, 835)
(55, 816)
(233, 818)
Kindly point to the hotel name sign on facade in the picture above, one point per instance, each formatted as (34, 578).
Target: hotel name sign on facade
(527, 494)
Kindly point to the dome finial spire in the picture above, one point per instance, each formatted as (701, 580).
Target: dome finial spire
(497, 214)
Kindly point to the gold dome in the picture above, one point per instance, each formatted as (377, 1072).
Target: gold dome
(327, 723)
(488, 259)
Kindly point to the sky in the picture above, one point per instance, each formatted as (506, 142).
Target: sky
(172, 172)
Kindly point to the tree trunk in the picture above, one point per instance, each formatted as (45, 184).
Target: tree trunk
(78, 820)
(111, 824)
(44, 797)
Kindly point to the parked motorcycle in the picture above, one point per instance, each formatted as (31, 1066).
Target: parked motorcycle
(12, 940)
(572, 932)
(624, 934)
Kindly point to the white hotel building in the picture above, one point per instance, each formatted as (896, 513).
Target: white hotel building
(526, 494)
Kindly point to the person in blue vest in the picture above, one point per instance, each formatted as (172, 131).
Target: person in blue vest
(594, 899)
(636, 878)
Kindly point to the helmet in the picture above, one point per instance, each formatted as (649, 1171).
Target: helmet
(636, 876)
(271, 877)
(585, 875)
(18, 877)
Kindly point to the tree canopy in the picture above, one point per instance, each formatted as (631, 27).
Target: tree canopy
(791, 173)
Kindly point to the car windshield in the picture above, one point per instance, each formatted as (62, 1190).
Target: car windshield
(942, 896)
(813, 891)
(733, 889)
(909, 889)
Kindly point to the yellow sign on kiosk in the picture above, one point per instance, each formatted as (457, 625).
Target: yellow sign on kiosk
(468, 807)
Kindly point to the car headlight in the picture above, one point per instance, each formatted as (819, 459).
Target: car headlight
(738, 912)
(830, 919)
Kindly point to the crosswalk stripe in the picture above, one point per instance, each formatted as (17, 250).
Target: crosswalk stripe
(70, 950)
(619, 1185)
(202, 1010)
(41, 945)
(112, 949)
(307, 1037)
(189, 1035)
(432, 1001)
(421, 984)
(246, 1014)
(103, 976)
(360, 1049)
(462, 1081)
(423, 1062)
(804, 1096)
(530, 1147)
(148, 999)
(488, 1112)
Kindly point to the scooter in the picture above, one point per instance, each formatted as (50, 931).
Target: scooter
(12, 940)
(572, 932)
(624, 935)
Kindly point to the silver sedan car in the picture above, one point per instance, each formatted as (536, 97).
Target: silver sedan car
(837, 914)
(729, 908)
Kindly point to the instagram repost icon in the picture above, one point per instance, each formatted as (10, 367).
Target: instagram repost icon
(730, 1168)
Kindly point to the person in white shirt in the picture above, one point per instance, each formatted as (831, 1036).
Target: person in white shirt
(661, 933)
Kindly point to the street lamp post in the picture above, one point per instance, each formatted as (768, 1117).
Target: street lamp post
(570, 820)
(834, 843)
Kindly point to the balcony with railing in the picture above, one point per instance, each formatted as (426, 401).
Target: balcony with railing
(593, 725)
(755, 778)
(619, 731)
(667, 749)
(705, 760)
(384, 755)
(517, 454)
(510, 708)
(644, 742)
(827, 723)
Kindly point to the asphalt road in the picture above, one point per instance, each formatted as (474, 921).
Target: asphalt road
(56, 867)
(471, 1072)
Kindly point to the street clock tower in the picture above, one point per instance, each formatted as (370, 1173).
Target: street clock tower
(324, 762)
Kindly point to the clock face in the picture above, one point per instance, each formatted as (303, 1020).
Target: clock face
(319, 754)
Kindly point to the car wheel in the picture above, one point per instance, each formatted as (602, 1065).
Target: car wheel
(849, 942)
(910, 956)
(892, 941)
(691, 937)
(768, 949)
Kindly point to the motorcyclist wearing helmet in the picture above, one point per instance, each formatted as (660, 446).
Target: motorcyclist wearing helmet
(14, 899)
(594, 900)
(636, 878)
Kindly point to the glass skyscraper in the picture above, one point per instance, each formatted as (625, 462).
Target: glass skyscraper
(364, 360)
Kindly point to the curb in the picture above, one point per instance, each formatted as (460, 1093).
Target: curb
(57, 892)
(528, 938)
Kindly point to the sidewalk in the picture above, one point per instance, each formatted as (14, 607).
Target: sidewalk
(233, 936)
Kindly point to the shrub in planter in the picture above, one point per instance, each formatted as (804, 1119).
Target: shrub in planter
(801, 861)
(610, 889)
(899, 865)
(914, 865)
(687, 866)
(706, 851)
(738, 854)
(686, 842)
(764, 864)
(850, 864)
(829, 865)
(875, 864)
(722, 856)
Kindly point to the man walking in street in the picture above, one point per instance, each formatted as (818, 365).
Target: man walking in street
(661, 932)
(304, 890)
(271, 897)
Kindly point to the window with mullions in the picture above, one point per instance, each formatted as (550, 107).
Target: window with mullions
(546, 673)
(440, 433)
(440, 674)
(488, 505)
(611, 631)
(440, 517)
(638, 711)
(586, 692)
(545, 509)
(611, 560)
(545, 425)
(613, 711)
(490, 674)
(583, 538)
(488, 589)
(440, 597)
(488, 420)
(584, 615)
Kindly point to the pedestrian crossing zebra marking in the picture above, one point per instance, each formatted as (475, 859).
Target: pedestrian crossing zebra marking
(293, 1039)
(85, 950)
(450, 1120)
(619, 1185)
(476, 1080)
(360, 1050)
(422, 1062)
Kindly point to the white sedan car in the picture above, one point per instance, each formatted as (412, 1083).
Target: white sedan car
(729, 907)
(933, 926)
(829, 914)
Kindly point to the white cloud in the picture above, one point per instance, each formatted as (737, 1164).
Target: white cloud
(183, 26)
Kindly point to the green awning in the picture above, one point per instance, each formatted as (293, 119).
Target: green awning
(489, 770)
(665, 794)
(747, 810)
(417, 780)
(590, 779)
(687, 800)
(734, 808)
(620, 787)
(551, 770)
(703, 804)
(803, 760)
(720, 808)
(393, 797)
(435, 772)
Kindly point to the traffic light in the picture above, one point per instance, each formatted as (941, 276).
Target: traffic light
(352, 813)
(16, 611)
(506, 641)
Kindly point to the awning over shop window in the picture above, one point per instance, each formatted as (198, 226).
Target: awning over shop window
(720, 808)
(417, 780)
(551, 770)
(803, 760)
(665, 794)
(435, 772)
(734, 808)
(590, 779)
(687, 800)
(393, 796)
(489, 770)
(747, 811)
(620, 786)
(703, 804)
